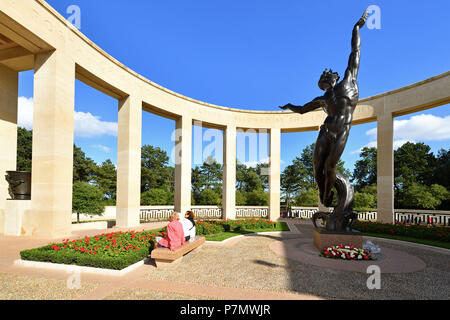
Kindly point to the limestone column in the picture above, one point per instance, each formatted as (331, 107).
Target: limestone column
(183, 166)
(129, 162)
(52, 165)
(8, 132)
(229, 173)
(274, 173)
(385, 168)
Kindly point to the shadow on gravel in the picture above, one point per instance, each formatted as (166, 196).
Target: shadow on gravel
(433, 282)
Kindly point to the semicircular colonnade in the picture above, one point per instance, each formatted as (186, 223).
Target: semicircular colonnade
(33, 36)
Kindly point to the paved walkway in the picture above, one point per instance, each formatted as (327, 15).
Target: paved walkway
(244, 268)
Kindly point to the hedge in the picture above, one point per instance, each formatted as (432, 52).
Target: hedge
(116, 250)
(206, 227)
(408, 230)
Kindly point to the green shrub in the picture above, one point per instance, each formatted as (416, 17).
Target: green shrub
(215, 226)
(115, 250)
(155, 197)
(400, 229)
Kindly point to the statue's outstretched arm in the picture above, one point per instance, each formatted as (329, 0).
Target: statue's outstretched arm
(353, 62)
(312, 105)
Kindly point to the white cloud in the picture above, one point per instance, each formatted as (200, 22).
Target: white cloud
(102, 148)
(373, 144)
(422, 127)
(25, 112)
(86, 125)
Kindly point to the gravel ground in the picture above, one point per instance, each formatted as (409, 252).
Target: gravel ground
(143, 294)
(251, 264)
(14, 287)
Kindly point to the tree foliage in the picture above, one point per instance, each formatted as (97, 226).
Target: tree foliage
(24, 149)
(420, 178)
(87, 199)
(365, 172)
(105, 178)
(155, 197)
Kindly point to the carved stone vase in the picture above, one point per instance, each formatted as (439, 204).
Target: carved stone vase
(19, 184)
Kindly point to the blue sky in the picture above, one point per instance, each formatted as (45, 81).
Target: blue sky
(257, 55)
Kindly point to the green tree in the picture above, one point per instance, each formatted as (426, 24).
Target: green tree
(419, 196)
(155, 171)
(364, 201)
(414, 163)
(87, 199)
(306, 162)
(105, 178)
(209, 197)
(262, 169)
(83, 167)
(307, 197)
(365, 172)
(291, 179)
(252, 180)
(211, 171)
(197, 182)
(241, 199)
(241, 170)
(155, 197)
(442, 169)
(24, 149)
(257, 198)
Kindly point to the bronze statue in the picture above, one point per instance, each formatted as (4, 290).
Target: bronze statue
(338, 102)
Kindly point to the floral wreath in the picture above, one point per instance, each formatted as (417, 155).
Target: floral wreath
(346, 253)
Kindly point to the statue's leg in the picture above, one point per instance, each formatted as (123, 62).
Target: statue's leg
(336, 149)
(321, 151)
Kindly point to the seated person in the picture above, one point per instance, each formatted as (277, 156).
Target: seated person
(189, 226)
(175, 235)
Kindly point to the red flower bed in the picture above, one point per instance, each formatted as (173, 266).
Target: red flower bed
(115, 250)
(429, 232)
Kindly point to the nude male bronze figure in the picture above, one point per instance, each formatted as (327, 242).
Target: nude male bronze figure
(338, 102)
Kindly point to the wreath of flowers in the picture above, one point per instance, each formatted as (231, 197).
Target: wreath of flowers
(346, 253)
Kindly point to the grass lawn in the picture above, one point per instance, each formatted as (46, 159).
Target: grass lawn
(440, 244)
(280, 226)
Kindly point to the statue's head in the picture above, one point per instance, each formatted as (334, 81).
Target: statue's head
(328, 79)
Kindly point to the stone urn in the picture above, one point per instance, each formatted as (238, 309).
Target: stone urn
(19, 184)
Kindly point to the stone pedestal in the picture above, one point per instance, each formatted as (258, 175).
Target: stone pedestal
(15, 212)
(324, 238)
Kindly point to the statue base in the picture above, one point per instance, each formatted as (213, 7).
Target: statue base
(325, 238)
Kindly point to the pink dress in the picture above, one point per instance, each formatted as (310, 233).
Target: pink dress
(175, 235)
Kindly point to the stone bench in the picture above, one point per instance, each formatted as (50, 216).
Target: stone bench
(164, 256)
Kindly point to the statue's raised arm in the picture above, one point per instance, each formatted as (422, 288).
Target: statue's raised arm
(353, 62)
(312, 105)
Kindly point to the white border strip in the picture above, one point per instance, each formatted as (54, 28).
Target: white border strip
(70, 268)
